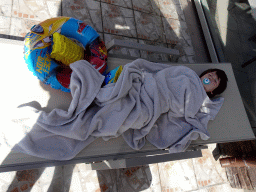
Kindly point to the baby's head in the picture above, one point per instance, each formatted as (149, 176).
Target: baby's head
(218, 81)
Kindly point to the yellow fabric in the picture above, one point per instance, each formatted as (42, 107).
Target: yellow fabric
(65, 50)
(118, 72)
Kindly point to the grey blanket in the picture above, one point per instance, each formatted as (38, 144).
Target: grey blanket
(167, 105)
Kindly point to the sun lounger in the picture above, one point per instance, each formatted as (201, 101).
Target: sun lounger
(20, 87)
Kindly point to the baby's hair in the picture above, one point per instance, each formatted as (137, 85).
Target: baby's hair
(223, 82)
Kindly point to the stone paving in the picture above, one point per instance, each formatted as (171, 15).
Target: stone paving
(201, 175)
(151, 22)
(167, 23)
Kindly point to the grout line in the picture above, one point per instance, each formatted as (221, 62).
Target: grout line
(159, 176)
(102, 22)
(10, 21)
(195, 174)
(135, 25)
(164, 30)
(208, 186)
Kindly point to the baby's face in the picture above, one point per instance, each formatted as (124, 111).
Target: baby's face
(214, 81)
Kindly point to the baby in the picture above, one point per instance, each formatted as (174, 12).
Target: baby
(214, 81)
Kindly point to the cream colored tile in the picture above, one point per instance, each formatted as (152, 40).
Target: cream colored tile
(20, 27)
(206, 170)
(36, 188)
(177, 175)
(4, 186)
(36, 10)
(47, 175)
(118, 20)
(87, 11)
(224, 187)
(51, 179)
(5, 25)
(175, 30)
(149, 27)
(122, 3)
(201, 190)
(76, 184)
(219, 169)
(153, 172)
(54, 8)
(5, 7)
(7, 177)
(81, 178)
(148, 6)
(168, 9)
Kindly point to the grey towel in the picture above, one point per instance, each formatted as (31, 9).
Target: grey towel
(167, 105)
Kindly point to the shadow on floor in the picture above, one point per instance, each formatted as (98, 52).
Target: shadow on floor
(133, 179)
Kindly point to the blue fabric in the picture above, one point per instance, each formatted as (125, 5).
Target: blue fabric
(71, 27)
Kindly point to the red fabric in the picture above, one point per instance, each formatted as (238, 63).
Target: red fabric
(63, 76)
(81, 27)
(97, 63)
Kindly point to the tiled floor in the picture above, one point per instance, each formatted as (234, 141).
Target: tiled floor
(154, 22)
(201, 175)
(167, 23)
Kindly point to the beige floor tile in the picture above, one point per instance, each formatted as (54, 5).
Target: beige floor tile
(6, 8)
(148, 6)
(155, 184)
(7, 177)
(36, 10)
(47, 175)
(80, 178)
(184, 2)
(5, 23)
(36, 188)
(118, 20)
(54, 8)
(185, 47)
(122, 3)
(48, 179)
(224, 187)
(168, 9)
(76, 184)
(20, 27)
(220, 188)
(175, 30)
(218, 167)
(207, 171)
(87, 11)
(177, 175)
(149, 27)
